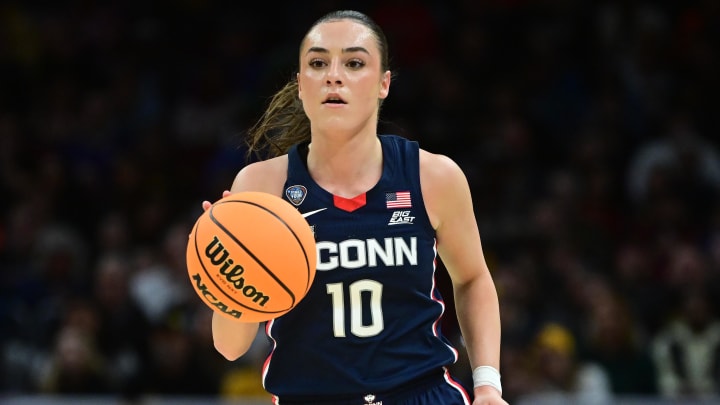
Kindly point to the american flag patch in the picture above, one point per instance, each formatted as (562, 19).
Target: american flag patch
(398, 199)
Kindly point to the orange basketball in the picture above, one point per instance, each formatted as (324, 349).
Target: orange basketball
(251, 256)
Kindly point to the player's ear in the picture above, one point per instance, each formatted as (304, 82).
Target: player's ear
(385, 85)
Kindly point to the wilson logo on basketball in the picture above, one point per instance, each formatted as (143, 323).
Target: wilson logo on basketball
(233, 273)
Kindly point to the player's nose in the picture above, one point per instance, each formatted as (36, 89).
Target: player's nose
(334, 73)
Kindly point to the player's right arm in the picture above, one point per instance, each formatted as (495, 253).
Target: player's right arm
(233, 338)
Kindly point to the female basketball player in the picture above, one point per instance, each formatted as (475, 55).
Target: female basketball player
(368, 330)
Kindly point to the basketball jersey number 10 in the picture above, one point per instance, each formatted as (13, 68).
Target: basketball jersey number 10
(355, 290)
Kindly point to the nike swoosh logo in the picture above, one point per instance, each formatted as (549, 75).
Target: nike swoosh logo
(307, 214)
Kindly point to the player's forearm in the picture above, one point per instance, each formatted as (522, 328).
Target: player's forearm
(478, 315)
(231, 338)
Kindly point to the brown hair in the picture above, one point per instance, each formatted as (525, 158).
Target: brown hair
(284, 122)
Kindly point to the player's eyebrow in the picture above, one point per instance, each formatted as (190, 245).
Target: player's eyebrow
(351, 49)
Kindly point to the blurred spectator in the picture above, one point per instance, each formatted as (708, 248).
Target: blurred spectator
(640, 284)
(682, 163)
(613, 340)
(686, 351)
(112, 235)
(521, 295)
(122, 325)
(562, 376)
(174, 365)
(159, 282)
(75, 365)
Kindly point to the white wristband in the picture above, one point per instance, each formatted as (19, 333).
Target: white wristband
(486, 375)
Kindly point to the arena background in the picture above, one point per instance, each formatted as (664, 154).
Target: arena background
(587, 130)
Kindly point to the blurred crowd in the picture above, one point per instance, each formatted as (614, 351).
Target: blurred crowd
(586, 128)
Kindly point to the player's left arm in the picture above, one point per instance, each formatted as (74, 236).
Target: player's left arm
(448, 202)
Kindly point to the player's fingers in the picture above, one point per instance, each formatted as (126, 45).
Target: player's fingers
(207, 204)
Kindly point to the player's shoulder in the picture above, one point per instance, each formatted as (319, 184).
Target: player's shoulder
(270, 166)
(439, 167)
(443, 184)
(265, 175)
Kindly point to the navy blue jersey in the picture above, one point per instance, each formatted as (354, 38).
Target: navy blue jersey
(371, 320)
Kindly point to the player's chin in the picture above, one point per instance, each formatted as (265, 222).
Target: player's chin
(339, 123)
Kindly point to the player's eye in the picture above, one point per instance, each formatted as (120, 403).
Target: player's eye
(317, 63)
(355, 64)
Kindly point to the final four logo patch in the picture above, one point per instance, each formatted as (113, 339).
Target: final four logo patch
(296, 194)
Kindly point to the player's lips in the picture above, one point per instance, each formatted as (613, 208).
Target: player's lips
(334, 98)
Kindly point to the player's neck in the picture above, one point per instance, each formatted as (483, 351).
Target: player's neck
(347, 167)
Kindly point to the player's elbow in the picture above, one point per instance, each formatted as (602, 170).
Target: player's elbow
(232, 339)
(230, 350)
